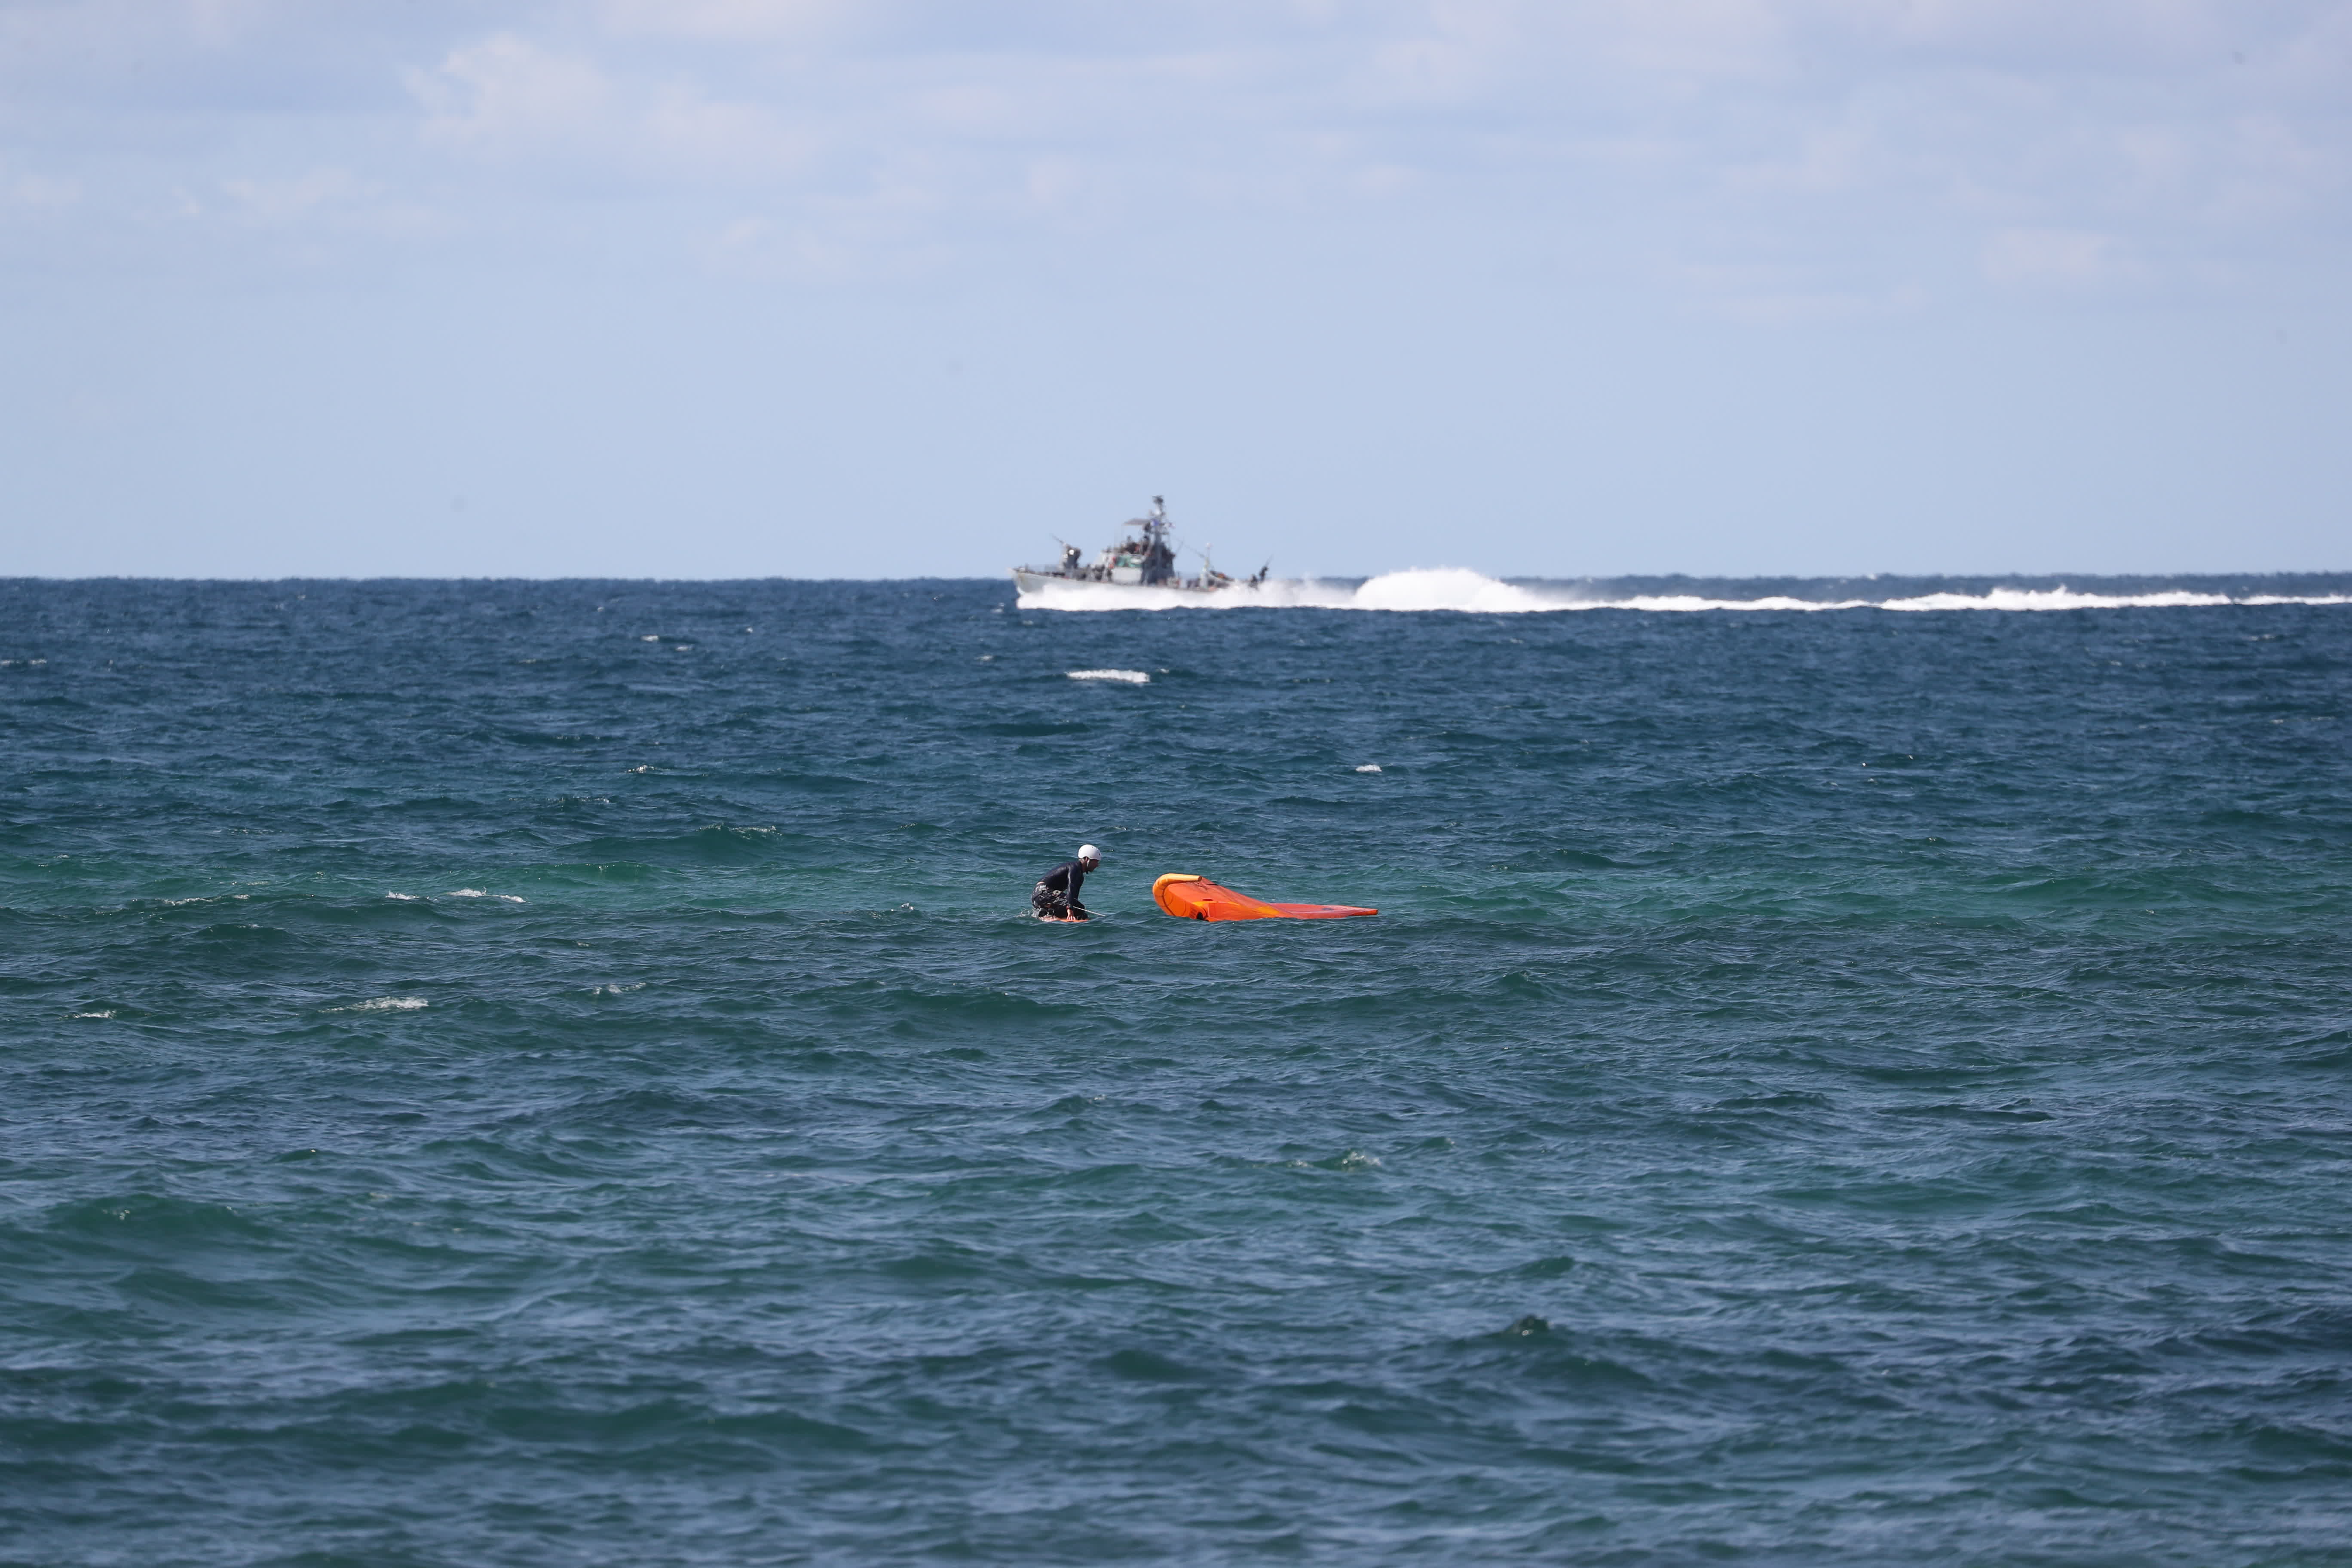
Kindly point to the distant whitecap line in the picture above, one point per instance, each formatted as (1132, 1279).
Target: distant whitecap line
(384, 1004)
(479, 893)
(1992, 599)
(1132, 676)
(1458, 589)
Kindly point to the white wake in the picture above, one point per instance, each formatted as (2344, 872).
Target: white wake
(1459, 589)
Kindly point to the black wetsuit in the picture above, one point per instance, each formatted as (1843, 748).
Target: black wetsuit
(1056, 893)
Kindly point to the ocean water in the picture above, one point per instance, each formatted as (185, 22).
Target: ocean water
(525, 1073)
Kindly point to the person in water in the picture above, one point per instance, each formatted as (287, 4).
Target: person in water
(1055, 897)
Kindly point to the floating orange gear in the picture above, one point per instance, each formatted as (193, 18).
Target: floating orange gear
(1189, 898)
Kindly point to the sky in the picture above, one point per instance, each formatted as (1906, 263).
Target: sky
(905, 287)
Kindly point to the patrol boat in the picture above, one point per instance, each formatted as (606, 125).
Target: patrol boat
(1142, 560)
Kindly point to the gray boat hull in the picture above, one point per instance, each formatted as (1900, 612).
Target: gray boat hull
(1030, 580)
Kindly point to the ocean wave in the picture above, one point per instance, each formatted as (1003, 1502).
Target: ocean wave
(1129, 677)
(384, 1004)
(1464, 590)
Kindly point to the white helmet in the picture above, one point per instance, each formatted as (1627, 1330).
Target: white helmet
(1088, 852)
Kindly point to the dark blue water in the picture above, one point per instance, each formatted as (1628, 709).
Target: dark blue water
(561, 1073)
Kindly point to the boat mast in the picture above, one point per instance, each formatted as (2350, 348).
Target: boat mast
(1159, 560)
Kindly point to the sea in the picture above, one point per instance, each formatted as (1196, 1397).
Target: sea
(551, 1073)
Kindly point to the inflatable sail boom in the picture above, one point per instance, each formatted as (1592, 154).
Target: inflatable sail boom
(1189, 898)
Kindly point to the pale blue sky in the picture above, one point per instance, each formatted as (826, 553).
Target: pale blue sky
(738, 288)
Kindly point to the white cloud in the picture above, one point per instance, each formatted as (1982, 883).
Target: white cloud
(293, 199)
(2046, 257)
(507, 98)
(1709, 138)
(728, 20)
(507, 95)
(39, 193)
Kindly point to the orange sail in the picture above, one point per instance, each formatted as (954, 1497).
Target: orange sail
(1198, 898)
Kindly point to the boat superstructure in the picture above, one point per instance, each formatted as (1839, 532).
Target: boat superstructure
(1143, 558)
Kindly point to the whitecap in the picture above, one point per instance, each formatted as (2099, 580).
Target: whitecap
(479, 893)
(1369, 768)
(109, 1013)
(407, 897)
(1130, 677)
(384, 1004)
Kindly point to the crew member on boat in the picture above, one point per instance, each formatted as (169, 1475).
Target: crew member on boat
(1055, 897)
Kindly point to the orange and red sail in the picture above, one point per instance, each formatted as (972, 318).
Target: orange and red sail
(1192, 898)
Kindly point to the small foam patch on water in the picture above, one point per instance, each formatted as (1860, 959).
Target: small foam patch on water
(1129, 677)
(1369, 768)
(481, 893)
(384, 1004)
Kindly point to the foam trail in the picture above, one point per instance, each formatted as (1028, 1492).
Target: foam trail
(1437, 588)
(1461, 590)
